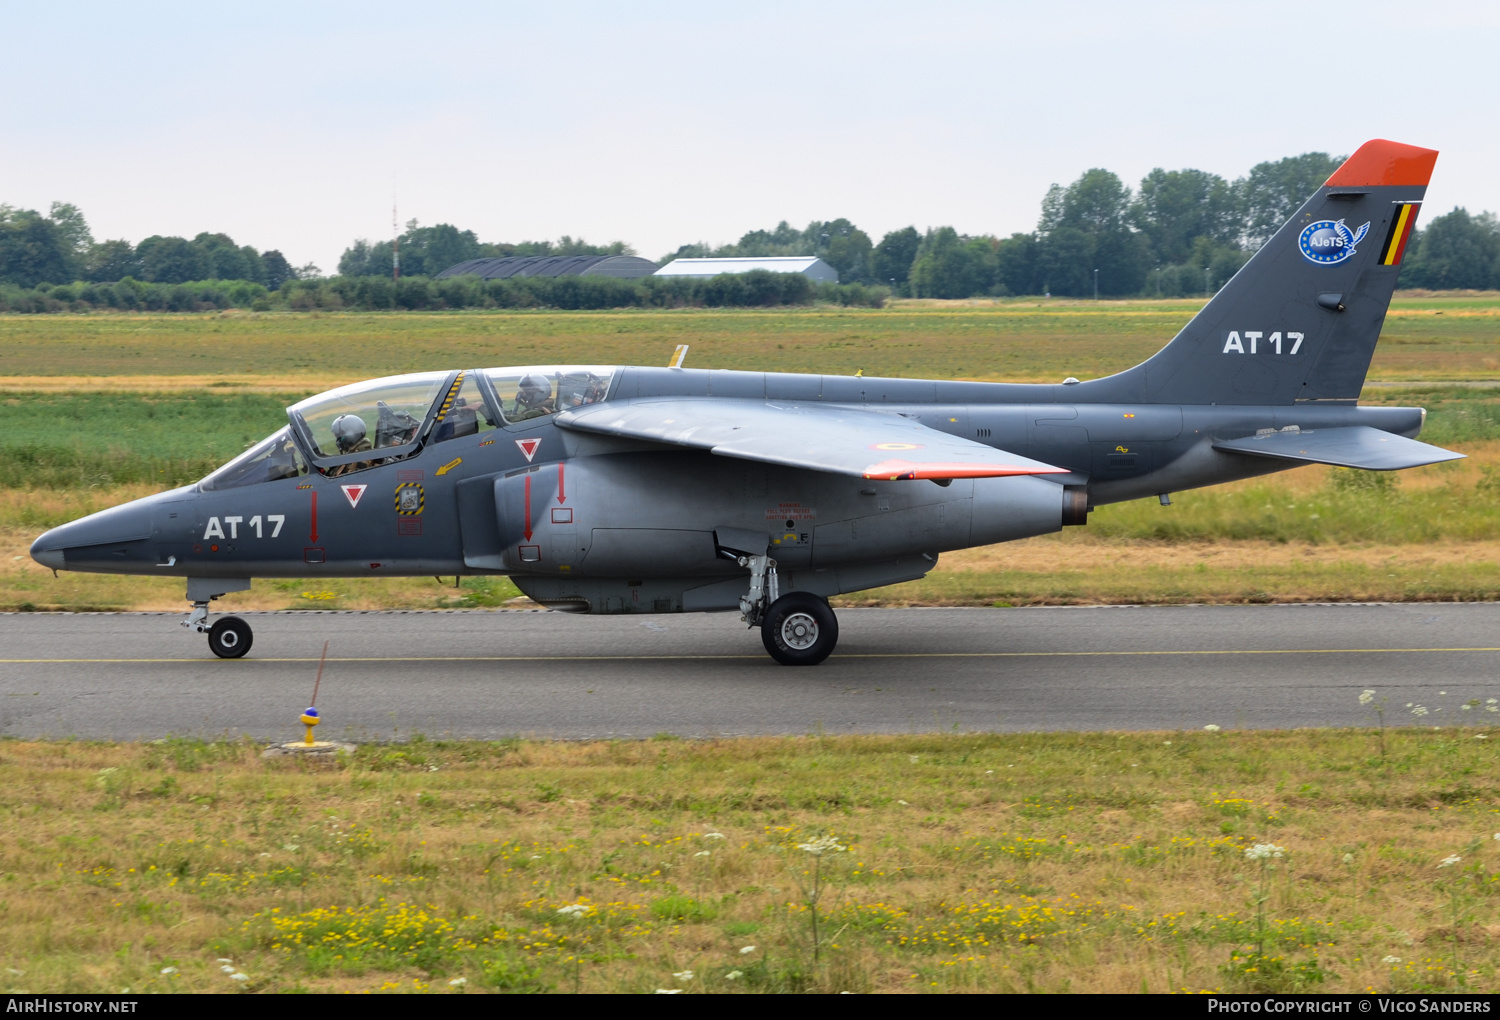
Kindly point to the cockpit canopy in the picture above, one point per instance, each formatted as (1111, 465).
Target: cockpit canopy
(381, 420)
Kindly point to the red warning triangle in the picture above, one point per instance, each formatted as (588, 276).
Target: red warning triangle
(353, 492)
(528, 446)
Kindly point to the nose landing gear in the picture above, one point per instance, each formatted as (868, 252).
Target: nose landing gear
(228, 638)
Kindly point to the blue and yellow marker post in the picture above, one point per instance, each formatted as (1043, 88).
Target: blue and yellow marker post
(310, 719)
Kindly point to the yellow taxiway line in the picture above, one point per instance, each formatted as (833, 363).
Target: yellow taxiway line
(855, 655)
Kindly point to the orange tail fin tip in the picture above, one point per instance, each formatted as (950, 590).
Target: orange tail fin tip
(1380, 163)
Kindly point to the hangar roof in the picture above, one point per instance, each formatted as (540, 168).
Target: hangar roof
(622, 266)
(808, 265)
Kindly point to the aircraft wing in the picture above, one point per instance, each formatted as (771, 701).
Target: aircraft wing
(1358, 446)
(863, 444)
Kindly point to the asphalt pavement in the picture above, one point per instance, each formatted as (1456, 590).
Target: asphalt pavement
(482, 674)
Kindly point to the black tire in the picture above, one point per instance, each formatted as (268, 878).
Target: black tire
(799, 629)
(230, 638)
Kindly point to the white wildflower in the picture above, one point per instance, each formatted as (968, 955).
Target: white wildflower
(265, 855)
(1390, 959)
(1261, 851)
(1465, 707)
(574, 910)
(914, 758)
(1419, 711)
(669, 991)
(734, 975)
(747, 950)
(458, 982)
(683, 975)
(703, 853)
(1211, 728)
(714, 835)
(237, 976)
(822, 845)
(536, 857)
(903, 803)
(227, 969)
(1367, 698)
(291, 847)
(1480, 736)
(1166, 743)
(224, 959)
(169, 971)
(1448, 862)
(1348, 858)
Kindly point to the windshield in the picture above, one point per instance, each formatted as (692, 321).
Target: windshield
(269, 460)
(370, 415)
(526, 393)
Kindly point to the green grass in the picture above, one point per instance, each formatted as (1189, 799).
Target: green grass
(73, 440)
(965, 862)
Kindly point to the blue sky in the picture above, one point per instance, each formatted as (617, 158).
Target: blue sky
(661, 123)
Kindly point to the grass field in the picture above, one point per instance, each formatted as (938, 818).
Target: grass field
(1040, 863)
(96, 409)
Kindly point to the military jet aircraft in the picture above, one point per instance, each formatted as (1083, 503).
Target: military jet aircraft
(603, 489)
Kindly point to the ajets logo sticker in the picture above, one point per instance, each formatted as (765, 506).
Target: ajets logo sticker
(528, 447)
(353, 492)
(1329, 242)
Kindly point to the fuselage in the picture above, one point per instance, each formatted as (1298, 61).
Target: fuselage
(603, 524)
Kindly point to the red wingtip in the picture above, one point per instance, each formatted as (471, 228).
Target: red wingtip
(1379, 162)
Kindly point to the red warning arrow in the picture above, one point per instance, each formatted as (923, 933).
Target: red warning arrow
(527, 530)
(314, 535)
(562, 492)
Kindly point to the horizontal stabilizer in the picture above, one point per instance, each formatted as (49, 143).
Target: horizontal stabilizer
(1358, 446)
(844, 441)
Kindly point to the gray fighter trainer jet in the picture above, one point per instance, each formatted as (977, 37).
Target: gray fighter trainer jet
(603, 489)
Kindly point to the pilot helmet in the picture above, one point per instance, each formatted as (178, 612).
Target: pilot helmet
(348, 430)
(532, 391)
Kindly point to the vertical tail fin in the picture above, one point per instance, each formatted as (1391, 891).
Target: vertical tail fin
(1300, 320)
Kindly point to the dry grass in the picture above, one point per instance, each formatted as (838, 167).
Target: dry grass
(1047, 863)
(1022, 340)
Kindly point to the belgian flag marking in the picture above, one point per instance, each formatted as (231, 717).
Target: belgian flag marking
(1401, 226)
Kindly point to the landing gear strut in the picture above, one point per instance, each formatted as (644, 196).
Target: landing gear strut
(798, 628)
(228, 638)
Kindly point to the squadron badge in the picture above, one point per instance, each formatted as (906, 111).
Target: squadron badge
(409, 499)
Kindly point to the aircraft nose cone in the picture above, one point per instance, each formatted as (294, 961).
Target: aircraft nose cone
(46, 552)
(117, 526)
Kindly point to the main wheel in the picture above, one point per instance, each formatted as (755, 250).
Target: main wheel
(799, 629)
(230, 638)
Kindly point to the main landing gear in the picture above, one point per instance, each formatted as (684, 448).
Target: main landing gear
(798, 629)
(229, 637)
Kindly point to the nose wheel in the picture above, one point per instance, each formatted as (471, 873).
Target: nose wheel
(799, 629)
(230, 637)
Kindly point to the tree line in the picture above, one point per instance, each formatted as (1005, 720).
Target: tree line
(1177, 233)
(59, 248)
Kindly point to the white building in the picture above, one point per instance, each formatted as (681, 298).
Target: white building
(809, 266)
